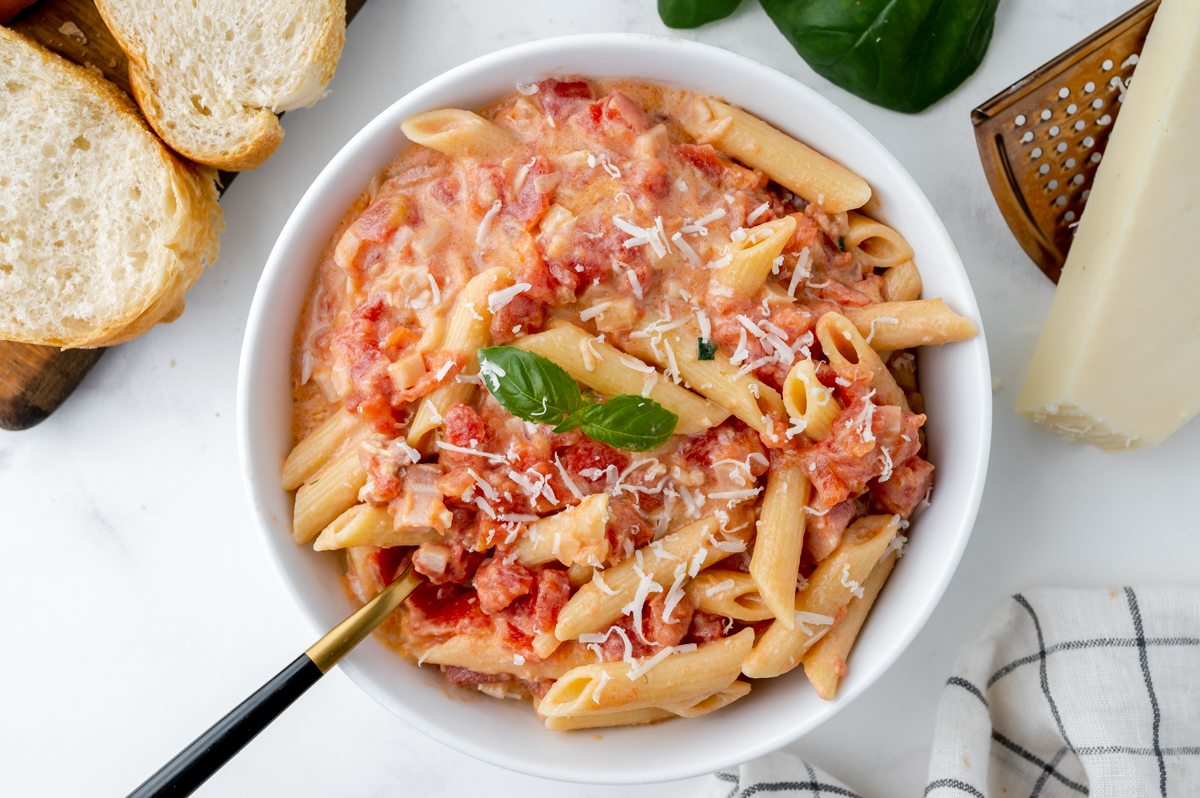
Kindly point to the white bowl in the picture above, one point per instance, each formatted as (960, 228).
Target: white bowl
(956, 382)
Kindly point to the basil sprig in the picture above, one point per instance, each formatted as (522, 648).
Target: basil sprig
(901, 54)
(537, 389)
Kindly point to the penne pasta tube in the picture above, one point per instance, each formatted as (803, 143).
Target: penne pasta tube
(825, 662)
(468, 331)
(776, 560)
(459, 134)
(598, 603)
(574, 535)
(878, 246)
(732, 594)
(629, 717)
(327, 495)
(750, 263)
(809, 402)
(793, 165)
(902, 325)
(902, 283)
(679, 679)
(485, 653)
(718, 700)
(612, 374)
(745, 396)
(364, 525)
(318, 447)
(853, 358)
(836, 580)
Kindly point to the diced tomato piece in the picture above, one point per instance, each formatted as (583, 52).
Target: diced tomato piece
(650, 175)
(589, 460)
(705, 628)
(462, 426)
(560, 98)
(459, 675)
(905, 488)
(443, 563)
(823, 533)
(701, 157)
(499, 582)
(443, 610)
(626, 530)
(537, 611)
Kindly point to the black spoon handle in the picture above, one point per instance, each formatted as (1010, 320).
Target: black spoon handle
(193, 766)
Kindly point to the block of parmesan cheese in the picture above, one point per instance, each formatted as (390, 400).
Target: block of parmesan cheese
(1118, 363)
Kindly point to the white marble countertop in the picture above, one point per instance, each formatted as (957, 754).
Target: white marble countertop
(137, 605)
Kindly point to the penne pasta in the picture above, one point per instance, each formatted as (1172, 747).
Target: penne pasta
(751, 262)
(853, 358)
(902, 283)
(776, 560)
(629, 717)
(364, 525)
(593, 608)
(718, 700)
(611, 375)
(902, 325)
(810, 405)
(877, 245)
(459, 134)
(836, 580)
(327, 495)
(319, 447)
(485, 653)
(574, 535)
(793, 165)
(680, 680)
(744, 395)
(468, 332)
(825, 662)
(732, 594)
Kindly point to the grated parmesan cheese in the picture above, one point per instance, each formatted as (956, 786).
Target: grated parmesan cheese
(498, 299)
(485, 226)
(855, 587)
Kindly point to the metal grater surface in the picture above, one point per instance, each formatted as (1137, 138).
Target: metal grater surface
(1042, 138)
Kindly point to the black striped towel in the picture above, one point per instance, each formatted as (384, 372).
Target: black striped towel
(1060, 694)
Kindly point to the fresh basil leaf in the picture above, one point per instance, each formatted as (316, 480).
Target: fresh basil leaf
(694, 13)
(529, 386)
(901, 54)
(632, 423)
(706, 350)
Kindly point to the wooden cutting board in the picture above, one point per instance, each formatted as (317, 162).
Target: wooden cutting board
(35, 380)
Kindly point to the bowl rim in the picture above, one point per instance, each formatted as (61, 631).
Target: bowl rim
(277, 269)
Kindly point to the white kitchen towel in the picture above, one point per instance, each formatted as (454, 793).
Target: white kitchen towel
(1060, 693)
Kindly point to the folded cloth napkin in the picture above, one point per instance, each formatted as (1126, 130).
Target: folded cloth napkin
(1059, 693)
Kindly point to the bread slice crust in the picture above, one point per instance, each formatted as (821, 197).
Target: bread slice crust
(248, 130)
(179, 240)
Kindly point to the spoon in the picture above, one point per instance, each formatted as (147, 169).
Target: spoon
(193, 766)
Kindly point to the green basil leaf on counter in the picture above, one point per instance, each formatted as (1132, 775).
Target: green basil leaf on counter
(901, 54)
(632, 423)
(531, 387)
(694, 13)
(706, 350)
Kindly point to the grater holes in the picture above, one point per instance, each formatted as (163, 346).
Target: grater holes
(1087, 142)
(1064, 93)
(1062, 146)
(1095, 157)
(1089, 87)
(1070, 163)
(1080, 125)
(1054, 131)
(1028, 137)
(1104, 120)
(1036, 153)
(1083, 195)
(1107, 65)
(1020, 120)
(1053, 184)
(1069, 216)
(1130, 61)
(1097, 103)
(1072, 108)
(1044, 169)
(1060, 201)
(1045, 115)
(1077, 179)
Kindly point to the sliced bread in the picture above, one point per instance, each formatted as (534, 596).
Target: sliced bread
(210, 75)
(102, 228)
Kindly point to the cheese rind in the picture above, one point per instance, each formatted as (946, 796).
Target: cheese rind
(1118, 363)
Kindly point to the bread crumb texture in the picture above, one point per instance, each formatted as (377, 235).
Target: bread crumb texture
(102, 229)
(211, 76)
